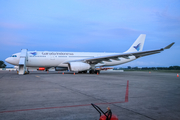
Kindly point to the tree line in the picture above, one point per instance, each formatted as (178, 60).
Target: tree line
(155, 68)
(2, 64)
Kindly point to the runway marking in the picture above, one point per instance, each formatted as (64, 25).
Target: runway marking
(127, 92)
(126, 100)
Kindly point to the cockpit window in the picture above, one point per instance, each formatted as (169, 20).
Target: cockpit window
(14, 56)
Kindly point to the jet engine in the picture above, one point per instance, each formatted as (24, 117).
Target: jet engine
(79, 66)
(61, 68)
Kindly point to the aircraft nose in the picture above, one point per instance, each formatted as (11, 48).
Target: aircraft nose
(7, 60)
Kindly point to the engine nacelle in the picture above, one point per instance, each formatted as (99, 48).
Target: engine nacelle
(61, 68)
(79, 66)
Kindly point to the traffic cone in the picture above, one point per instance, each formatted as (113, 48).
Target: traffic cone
(97, 73)
(63, 73)
(47, 72)
(177, 75)
(149, 72)
(74, 73)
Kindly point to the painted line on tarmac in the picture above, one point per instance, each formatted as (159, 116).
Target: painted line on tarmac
(58, 107)
(126, 100)
(127, 92)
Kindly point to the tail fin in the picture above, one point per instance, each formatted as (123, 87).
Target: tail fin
(138, 44)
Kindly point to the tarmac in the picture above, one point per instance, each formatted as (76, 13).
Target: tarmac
(131, 95)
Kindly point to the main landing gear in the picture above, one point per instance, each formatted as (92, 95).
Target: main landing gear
(83, 71)
(94, 71)
(91, 71)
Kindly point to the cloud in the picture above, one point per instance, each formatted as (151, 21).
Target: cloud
(167, 21)
(10, 39)
(12, 25)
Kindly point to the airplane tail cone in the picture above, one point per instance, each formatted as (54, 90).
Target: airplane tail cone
(177, 75)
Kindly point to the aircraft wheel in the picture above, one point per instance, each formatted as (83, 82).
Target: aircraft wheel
(91, 71)
(85, 71)
(97, 71)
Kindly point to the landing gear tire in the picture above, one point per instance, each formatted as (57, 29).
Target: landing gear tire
(84, 71)
(97, 71)
(91, 72)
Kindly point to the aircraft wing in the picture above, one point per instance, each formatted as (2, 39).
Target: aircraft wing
(107, 58)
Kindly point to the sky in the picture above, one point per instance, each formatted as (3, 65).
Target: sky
(91, 26)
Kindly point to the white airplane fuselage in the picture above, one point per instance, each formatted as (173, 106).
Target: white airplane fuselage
(57, 59)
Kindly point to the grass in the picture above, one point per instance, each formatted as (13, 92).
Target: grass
(169, 71)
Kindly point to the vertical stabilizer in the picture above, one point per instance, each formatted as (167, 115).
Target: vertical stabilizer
(138, 44)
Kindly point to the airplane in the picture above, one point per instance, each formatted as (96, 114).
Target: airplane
(80, 62)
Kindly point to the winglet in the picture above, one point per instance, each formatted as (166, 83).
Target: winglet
(169, 46)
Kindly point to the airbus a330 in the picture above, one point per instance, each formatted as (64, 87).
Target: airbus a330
(79, 61)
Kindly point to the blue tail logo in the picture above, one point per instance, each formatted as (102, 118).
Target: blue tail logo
(34, 53)
(137, 47)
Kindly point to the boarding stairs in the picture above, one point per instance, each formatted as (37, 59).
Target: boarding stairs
(22, 61)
